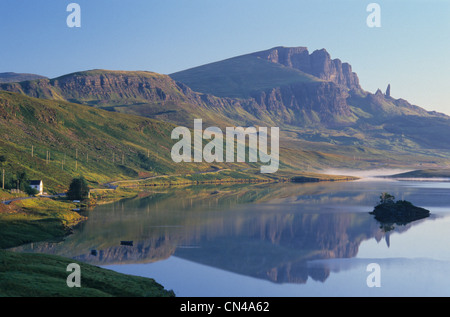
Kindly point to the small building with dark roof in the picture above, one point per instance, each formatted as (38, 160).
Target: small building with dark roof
(38, 185)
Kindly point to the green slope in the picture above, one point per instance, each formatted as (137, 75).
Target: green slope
(238, 77)
(57, 140)
(40, 275)
(140, 93)
(322, 124)
(98, 144)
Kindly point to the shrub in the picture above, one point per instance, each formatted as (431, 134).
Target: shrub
(386, 198)
(78, 189)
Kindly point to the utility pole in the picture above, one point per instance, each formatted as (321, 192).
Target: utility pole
(32, 151)
(2, 161)
(122, 158)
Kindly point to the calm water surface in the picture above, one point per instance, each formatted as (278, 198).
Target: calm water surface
(271, 240)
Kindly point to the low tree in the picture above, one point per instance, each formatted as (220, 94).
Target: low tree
(31, 191)
(386, 198)
(21, 182)
(78, 189)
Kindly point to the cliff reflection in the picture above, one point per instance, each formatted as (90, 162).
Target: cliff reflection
(264, 231)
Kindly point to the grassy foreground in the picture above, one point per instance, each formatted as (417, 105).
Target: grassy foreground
(35, 275)
(38, 219)
(41, 275)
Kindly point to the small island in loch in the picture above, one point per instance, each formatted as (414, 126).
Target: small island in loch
(399, 212)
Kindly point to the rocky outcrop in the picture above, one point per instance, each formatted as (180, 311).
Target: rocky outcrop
(306, 90)
(117, 87)
(318, 64)
(40, 88)
(304, 104)
(100, 86)
(400, 212)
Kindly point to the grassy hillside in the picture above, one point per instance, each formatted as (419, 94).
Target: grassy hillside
(34, 220)
(322, 125)
(426, 173)
(56, 140)
(39, 275)
(240, 76)
(140, 93)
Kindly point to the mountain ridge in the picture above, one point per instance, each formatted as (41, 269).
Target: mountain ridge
(272, 90)
(318, 64)
(10, 77)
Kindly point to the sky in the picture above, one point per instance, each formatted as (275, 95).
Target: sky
(410, 50)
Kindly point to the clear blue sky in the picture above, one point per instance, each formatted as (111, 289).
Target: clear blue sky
(411, 49)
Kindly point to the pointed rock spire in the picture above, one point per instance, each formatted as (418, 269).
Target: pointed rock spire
(388, 90)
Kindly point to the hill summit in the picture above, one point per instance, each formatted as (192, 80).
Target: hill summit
(315, 100)
(11, 77)
(318, 64)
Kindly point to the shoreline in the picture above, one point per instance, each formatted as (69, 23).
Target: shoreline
(59, 209)
(45, 218)
(126, 190)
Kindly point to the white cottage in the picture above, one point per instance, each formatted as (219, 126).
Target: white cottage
(38, 185)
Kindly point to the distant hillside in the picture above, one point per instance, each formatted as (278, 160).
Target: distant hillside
(141, 93)
(81, 140)
(326, 118)
(424, 174)
(321, 99)
(240, 77)
(18, 77)
(246, 75)
(318, 64)
(56, 140)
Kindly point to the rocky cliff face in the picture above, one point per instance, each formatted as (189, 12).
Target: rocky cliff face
(143, 93)
(40, 88)
(324, 103)
(303, 104)
(108, 85)
(318, 64)
(154, 95)
(100, 86)
(293, 87)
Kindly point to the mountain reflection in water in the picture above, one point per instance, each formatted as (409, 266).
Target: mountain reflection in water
(269, 231)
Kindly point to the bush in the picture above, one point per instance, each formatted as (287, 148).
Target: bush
(78, 189)
(21, 182)
(386, 198)
(31, 191)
